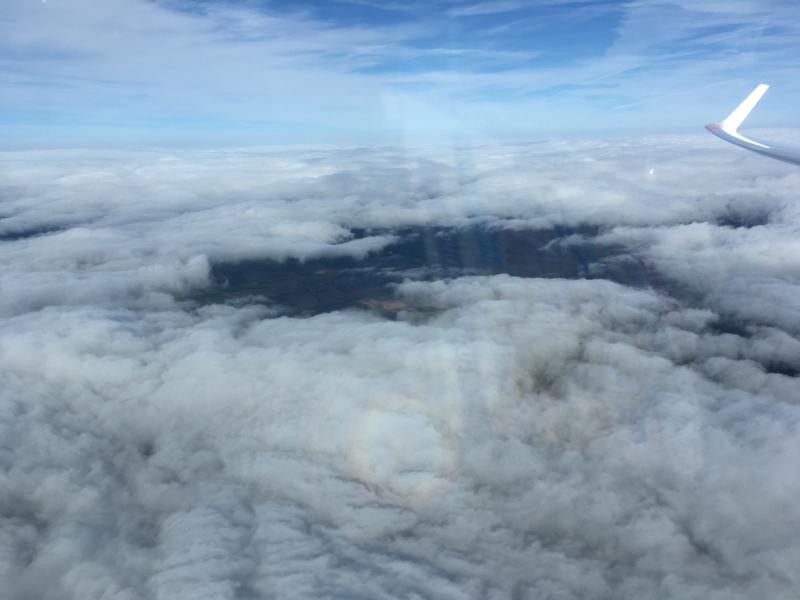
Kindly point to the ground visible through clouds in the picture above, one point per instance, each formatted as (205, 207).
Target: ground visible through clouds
(557, 370)
(319, 285)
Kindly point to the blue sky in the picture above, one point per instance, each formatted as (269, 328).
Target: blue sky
(212, 72)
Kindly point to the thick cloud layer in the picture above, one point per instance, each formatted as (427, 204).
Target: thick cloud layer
(503, 437)
(135, 224)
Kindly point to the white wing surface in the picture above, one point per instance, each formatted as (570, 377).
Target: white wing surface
(728, 130)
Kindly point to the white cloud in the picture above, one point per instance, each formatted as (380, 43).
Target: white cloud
(487, 8)
(506, 437)
(129, 225)
(533, 437)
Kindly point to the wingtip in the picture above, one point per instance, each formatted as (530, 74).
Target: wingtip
(740, 113)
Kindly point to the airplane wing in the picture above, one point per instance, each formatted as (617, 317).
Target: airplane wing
(728, 130)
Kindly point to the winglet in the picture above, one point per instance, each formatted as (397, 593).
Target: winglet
(727, 130)
(733, 120)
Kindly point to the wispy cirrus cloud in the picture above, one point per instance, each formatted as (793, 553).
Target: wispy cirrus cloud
(226, 72)
(486, 8)
(494, 7)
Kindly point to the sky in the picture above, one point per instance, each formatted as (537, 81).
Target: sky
(193, 73)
